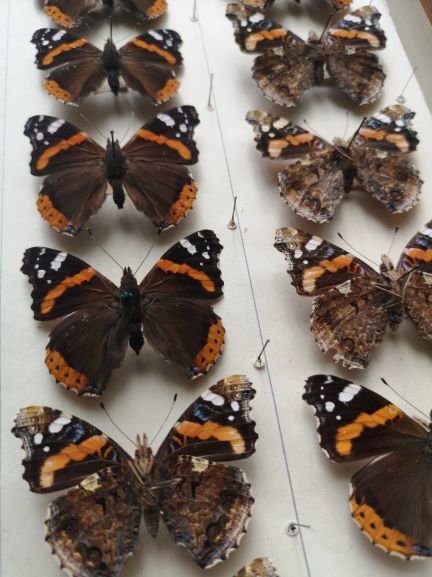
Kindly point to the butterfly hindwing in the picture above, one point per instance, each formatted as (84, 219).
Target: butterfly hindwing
(208, 509)
(93, 529)
(217, 425)
(259, 567)
(69, 13)
(60, 449)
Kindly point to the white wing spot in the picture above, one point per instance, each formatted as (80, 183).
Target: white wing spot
(57, 262)
(38, 438)
(41, 273)
(191, 248)
(235, 406)
(213, 398)
(313, 243)
(54, 126)
(166, 119)
(329, 407)
(349, 392)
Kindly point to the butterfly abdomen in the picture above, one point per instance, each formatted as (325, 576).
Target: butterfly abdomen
(115, 170)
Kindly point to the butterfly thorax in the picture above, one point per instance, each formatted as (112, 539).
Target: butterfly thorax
(393, 291)
(111, 64)
(344, 161)
(130, 300)
(115, 170)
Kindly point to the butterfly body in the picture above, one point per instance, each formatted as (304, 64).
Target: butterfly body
(168, 308)
(353, 303)
(318, 173)
(205, 504)
(151, 168)
(390, 497)
(111, 61)
(287, 66)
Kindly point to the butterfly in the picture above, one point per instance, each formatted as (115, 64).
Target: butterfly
(390, 499)
(288, 66)
(206, 505)
(151, 167)
(353, 303)
(167, 308)
(147, 64)
(320, 174)
(265, 4)
(260, 567)
(70, 13)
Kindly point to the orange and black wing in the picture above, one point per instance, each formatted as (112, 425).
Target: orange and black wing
(177, 321)
(69, 13)
(217, 426)
(74, 187)
(156, 178)
(76, 63)
(148, 64)
(145, 9)
(60, 449)
(391, 496)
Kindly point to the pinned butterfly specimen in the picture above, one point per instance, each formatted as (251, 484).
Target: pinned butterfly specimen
(288, 66)
(168, 308)
(265, 4)
(146, 64)
(320, 174)
(260, 567)
(70, 13)
(205, 505)
(391, 496)
(151, 167)
(353, 304)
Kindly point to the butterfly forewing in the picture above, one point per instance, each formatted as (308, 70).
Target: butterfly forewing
(217, 426)
(63, 283)
(260, 567)
(60, 449)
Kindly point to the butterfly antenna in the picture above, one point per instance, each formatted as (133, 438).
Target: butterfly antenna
(401, 98)
(357, 251)
(91, 235)
(357, 131)
(403, 398)
(148, 252)
(164, 421)
(325, 27)
(93, 125)
(346, 124)
(396, 230)
(309, 127)
(102, 406)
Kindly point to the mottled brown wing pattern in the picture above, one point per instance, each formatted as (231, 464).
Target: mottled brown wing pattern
(93, 529)
(207, 510)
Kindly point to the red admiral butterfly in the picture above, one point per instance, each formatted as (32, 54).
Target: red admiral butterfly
(288, 66)
(353, 303)
(390, 497)
(69, 13)
(168, 308)
(260, 567)
(205, 505)
(264, 4)
(146, 64)
(150, 166)
(320, 174)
